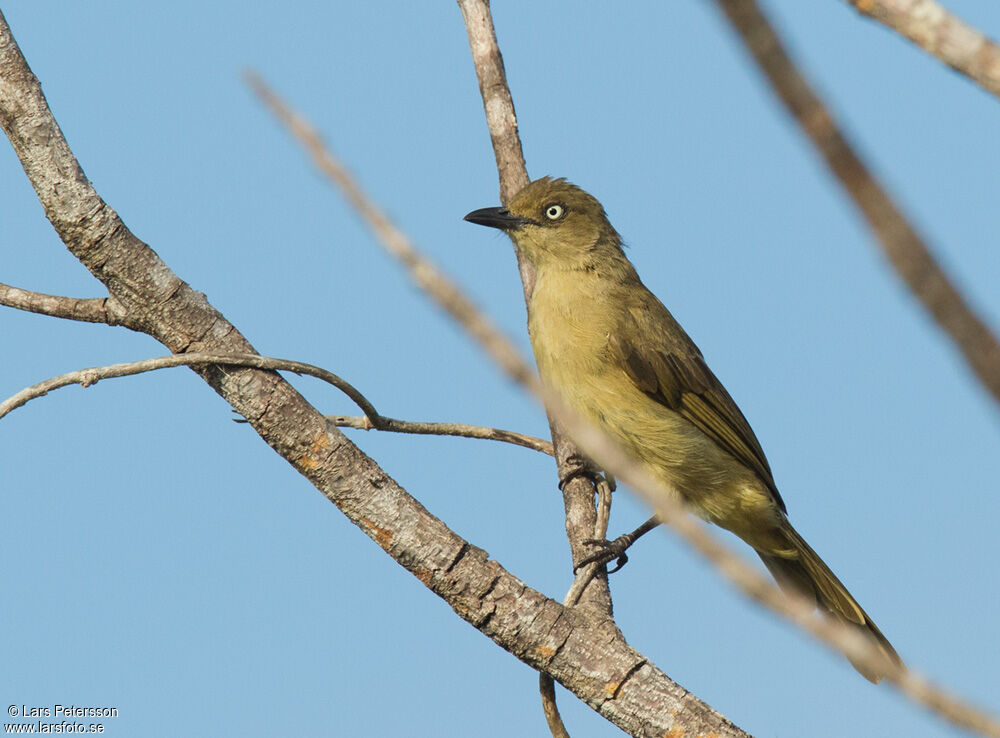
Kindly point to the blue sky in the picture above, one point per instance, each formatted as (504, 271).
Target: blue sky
(160, 559)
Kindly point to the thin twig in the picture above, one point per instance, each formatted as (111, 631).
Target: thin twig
(371, 421)
(942, 34)
(463, 430)
(86, 309)
(903, 246)
(87, 377)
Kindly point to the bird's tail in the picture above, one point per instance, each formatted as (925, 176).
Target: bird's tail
(805, 573)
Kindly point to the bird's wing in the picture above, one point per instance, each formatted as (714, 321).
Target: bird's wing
(669, 368)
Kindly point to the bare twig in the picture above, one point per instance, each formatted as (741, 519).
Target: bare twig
(547, 689)
(942, 34)
(903, 246)
(371, 420)
(87, 377)
(463, 430)
(86, 309)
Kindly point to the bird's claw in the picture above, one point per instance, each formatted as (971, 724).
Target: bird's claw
(608, 550)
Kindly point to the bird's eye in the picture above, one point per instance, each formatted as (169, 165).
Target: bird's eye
(554, 211)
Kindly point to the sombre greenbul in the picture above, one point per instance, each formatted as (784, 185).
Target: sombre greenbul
(616, 355)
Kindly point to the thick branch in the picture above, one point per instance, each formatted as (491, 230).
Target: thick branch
(940, 33)
(87, 309)
(902, 245)
(585, 654)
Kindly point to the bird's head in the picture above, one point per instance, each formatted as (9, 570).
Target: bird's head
(555, 224)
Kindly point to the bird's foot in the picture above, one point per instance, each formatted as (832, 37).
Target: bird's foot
(608, 550)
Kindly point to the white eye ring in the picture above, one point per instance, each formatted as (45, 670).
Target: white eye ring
(554, 211)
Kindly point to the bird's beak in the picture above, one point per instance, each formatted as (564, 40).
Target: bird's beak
(495, 218)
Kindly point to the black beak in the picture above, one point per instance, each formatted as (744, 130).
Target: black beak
(495, 218)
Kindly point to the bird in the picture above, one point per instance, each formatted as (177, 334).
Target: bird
(617, 357)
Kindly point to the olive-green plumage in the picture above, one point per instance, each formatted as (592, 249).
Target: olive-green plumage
(618, 357)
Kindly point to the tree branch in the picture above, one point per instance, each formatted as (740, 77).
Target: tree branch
(92, 375)
(86, 309)
(462, 430)
(587, 655)
(902, 245)
(942, 34)
(422, 270)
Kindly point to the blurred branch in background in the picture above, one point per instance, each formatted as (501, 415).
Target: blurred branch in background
(940, 33)
(902, 245)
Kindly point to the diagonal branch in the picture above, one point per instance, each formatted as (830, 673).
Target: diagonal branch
(903, 246)
(942, 34)
(86, 309)
(421, 269)
(583, 653)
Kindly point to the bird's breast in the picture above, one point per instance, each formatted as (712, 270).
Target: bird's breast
(571, 321)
